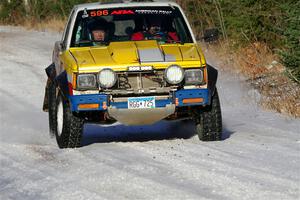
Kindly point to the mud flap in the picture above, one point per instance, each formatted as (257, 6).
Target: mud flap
(45, 103)
(50, 71)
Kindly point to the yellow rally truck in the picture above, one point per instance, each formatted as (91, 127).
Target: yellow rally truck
(132, 62)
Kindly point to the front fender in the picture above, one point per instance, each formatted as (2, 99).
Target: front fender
(62, 82)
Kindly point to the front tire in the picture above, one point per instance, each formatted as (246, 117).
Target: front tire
(209, 121)
(68, 128)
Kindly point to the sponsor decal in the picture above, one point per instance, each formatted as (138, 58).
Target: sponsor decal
(157, 12)
(85, 13)
(98, 13)
(106, 12)
(122, 12)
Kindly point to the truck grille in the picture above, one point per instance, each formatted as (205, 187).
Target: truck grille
(140, 83)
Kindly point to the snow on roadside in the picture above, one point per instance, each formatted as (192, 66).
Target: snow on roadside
(258, 158)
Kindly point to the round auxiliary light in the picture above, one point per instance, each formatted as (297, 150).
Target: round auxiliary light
(107, 78)
(174, 74)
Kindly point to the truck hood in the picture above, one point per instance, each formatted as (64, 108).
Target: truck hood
(133, 53)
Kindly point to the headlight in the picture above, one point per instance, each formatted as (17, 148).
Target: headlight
(174, 74)
(86, 81)
(193, 76)
(107, 78)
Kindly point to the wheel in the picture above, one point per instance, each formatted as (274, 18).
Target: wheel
(67, 127)
(209, 121)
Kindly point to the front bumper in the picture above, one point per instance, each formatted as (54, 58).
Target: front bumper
(102, 102)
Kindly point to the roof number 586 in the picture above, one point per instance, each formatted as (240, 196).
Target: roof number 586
(98, 13)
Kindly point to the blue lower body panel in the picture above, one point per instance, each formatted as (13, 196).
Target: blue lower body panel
(177, 98)
(192, 94)
(76, 100)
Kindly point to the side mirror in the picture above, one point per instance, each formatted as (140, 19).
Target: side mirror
(211, 35)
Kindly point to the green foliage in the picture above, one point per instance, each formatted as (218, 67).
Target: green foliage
(36, 9)
(48, 8)
(291, 53)
(12, 12)
(275, 23)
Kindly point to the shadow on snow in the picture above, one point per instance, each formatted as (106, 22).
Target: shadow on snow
(163, 130)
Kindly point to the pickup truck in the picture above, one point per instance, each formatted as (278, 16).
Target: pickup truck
(132, 62)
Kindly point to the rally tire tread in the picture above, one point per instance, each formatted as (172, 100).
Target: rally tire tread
(75, 128)
(209, 121)
(72, 127)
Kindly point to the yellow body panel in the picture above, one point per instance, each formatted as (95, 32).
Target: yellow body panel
(120, 55)
(68, 62)
(203, 61)
(189, 53)
(172, 50)
(146, 44)
(123, 52)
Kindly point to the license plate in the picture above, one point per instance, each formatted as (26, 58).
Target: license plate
(141, 102)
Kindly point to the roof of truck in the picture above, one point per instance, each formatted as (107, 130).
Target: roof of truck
(117, 4)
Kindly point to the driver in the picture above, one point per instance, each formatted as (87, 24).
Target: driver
(154, 32)
(99, 31)
(98, 34)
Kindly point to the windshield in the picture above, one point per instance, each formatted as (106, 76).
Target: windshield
(102, 26)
